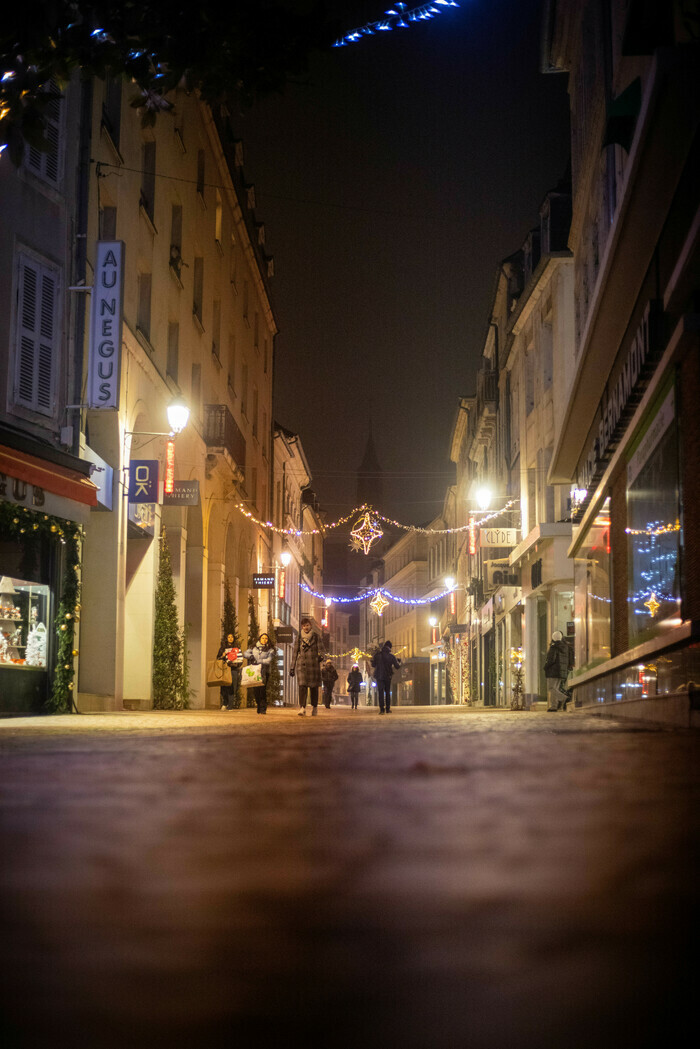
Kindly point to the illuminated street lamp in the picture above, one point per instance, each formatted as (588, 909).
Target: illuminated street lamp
(483, 497)
(285, 558)
(178, 416)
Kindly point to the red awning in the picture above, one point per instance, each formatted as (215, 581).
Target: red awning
(60, 480)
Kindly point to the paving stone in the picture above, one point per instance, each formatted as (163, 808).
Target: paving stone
(436, 879)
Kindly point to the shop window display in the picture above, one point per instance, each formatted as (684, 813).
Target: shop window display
(24, 610)
(654, 528)
(592, 600)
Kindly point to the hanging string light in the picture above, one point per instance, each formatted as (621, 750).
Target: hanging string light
(375, 517)
(373, 592)
(400, 16)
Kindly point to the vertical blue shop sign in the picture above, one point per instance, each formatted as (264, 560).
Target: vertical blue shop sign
(143, 481)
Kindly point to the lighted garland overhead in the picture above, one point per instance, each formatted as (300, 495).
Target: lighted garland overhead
(400, 16)
(367, 511)
(377, 591)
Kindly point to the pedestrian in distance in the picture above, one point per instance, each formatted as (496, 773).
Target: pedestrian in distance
(354, 682)
(385, 663)
(306, 665)
(262, 653)
(232, 656)
(329, 676)
(557, 664)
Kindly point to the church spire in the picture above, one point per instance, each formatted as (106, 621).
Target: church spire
(370, 479)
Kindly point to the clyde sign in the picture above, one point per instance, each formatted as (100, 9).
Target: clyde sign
(492, 537)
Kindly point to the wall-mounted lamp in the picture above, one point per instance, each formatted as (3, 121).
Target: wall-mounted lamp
(285, 558)
(178, 417)
(483, 497)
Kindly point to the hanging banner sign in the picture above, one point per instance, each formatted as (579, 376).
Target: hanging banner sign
(106, 325)
(184, 493)
(490, 537)
(284, 634)
(143, 481)
(263, 581)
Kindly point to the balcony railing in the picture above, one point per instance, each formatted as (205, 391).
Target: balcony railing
(222, 431)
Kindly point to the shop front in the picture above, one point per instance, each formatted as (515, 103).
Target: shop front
(636, 591)
(44, 503)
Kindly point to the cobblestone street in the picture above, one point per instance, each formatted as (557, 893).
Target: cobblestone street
(436, 879)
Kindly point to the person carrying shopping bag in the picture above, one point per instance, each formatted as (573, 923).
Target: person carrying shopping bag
(262, 654)
(232, 656)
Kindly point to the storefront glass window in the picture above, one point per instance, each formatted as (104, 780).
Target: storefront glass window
(24, 609)
(654, 528)
(592, 599)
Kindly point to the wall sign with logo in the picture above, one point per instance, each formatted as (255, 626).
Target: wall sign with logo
(106, 325)
(643, 346)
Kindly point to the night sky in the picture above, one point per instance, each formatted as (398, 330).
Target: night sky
(391, 184)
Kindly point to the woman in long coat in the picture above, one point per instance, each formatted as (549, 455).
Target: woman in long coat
(306, 665)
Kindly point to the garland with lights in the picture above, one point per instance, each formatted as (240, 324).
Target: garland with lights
(27, 527)
(400, 16)
(371, 517)
(374, 592)
(358, 654)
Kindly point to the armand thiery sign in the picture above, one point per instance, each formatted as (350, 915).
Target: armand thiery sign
(106, 325)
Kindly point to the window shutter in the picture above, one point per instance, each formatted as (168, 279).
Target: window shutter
(47, 163)
(36, 336)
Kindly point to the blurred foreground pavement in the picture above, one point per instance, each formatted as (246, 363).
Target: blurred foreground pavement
(436, 879)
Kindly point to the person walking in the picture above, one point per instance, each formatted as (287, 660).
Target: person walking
(385, 663)
(306, 665)
(329, 676)
(232, 656)
(262, 653)
(557, 664)
(354, 682)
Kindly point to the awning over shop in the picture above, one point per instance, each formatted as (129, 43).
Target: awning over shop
(52, 477)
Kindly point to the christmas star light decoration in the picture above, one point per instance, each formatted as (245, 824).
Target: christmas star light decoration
(653, 605)
(366, 531)
(378, 603)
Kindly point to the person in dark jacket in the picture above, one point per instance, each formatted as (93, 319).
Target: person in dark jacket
(329, 676)
(384, 662)
(232, 656)
(262, 652)
(306, 665)
(557, 664)
(354, 682)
